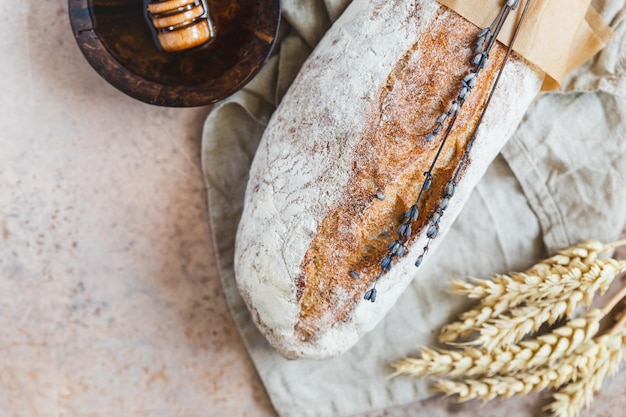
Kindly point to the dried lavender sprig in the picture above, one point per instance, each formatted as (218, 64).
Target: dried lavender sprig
(468, 83)
(487, 34)
(397, 247)
(492, 35)
(513, 5)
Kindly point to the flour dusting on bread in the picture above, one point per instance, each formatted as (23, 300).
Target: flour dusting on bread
(342, 159)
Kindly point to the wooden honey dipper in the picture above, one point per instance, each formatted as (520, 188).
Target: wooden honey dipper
(180, 24)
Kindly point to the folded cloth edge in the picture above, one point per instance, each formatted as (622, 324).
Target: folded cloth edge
(574, 36)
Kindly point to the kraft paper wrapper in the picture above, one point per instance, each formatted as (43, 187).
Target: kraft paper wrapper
(556, 35)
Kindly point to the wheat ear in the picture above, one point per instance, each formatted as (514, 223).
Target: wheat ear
(512, 326)
(564, 268)
(584, 369)
(469, 321)
(496, 327)
(571, 358)
(572, 398)
(529, 354)
(524, 284)
(582, 362)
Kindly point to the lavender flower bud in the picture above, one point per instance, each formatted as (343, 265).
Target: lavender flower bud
(407, 231)
(479, 45)
(412, 213)
(396, 246)
(427, 181)
(483, 33)
(470, 80)
(386, 262)
(402, 229)
(463, 93)
(432, 231)
(480, 60)
(370, 295)
(450, 188)
(454, 108)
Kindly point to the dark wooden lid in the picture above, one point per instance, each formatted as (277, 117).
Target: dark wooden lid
(116, 39)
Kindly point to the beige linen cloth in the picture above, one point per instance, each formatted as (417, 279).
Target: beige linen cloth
(560, 179)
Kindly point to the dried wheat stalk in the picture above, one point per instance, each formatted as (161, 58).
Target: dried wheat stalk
(512, 326)
(529, 354)
(470, 321)
(572, 398)
(565, 280)
(572, 357)
(583, 362)
(551, 274)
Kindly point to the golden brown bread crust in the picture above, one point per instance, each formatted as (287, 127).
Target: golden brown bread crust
(353, 124)
(391, 160)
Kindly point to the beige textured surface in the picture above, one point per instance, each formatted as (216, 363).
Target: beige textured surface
(110, 304)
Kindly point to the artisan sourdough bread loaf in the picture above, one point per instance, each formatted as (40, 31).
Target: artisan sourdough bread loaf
(343, 159)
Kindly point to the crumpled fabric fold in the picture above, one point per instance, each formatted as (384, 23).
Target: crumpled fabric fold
(560, 179)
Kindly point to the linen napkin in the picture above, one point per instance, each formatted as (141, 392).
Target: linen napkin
(560, 179)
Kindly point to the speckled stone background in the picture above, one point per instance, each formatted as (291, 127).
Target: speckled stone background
(110, 303)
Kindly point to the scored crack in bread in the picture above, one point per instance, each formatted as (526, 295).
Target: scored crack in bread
(344, 157)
